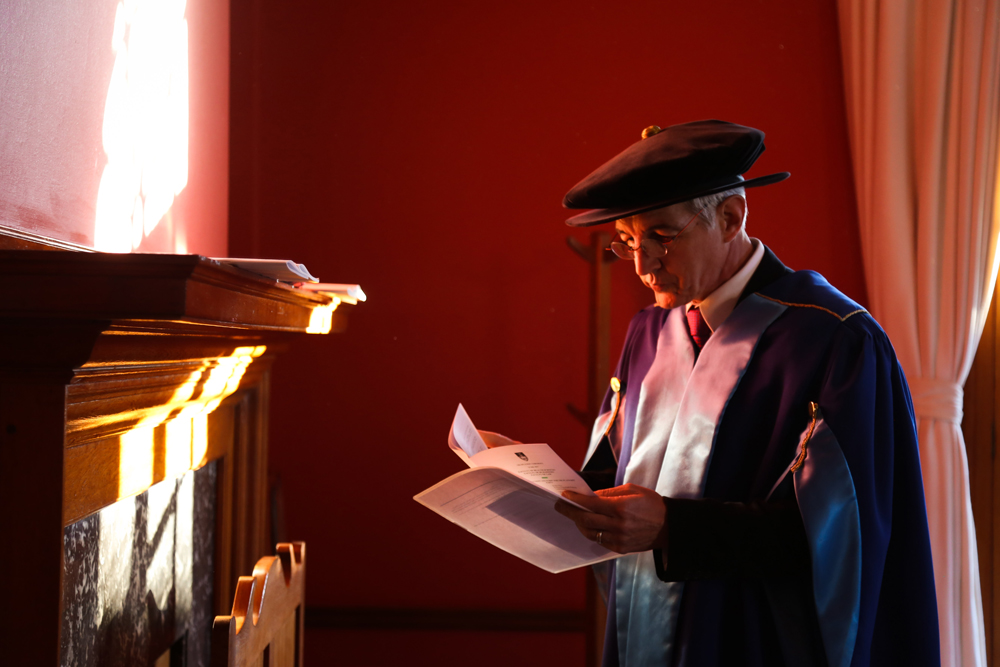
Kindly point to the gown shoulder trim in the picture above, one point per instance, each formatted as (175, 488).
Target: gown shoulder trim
(813, 305)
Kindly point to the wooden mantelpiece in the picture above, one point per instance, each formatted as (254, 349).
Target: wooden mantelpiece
(118, 372)
(191, 289)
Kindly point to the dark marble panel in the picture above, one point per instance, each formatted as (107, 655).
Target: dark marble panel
(138, 576)
(202, 569)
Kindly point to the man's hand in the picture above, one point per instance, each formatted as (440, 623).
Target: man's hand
(627, 518)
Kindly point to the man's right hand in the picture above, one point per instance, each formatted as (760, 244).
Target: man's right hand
(625, 519)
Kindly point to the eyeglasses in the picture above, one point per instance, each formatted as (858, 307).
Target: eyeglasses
(652, 248)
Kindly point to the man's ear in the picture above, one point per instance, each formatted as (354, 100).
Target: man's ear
(733, 212)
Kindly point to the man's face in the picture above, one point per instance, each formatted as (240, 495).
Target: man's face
(692, 267)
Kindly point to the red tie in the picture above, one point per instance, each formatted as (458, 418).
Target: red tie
(698, 327)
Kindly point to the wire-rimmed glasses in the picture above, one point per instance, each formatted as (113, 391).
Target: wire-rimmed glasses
(651, 247)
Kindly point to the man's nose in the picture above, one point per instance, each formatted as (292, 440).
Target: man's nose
(644, 263)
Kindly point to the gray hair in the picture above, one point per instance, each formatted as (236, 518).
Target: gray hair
(707, 205)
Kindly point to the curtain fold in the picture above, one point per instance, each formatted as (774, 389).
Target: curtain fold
(921, 85)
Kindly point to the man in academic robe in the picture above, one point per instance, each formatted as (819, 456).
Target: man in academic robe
(756, 459)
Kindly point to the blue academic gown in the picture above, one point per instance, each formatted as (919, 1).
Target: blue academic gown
(828, 563)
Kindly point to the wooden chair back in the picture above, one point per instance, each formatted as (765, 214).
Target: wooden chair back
(266, 626)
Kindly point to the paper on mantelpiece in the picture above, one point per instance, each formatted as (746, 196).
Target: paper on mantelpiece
(508, 497)
(282, 270)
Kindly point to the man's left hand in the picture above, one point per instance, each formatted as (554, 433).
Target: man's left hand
(624, 519)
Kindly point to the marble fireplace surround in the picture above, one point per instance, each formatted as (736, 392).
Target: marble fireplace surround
(137, 577)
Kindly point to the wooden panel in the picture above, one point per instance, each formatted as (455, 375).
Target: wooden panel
(989, 502)
(222, 429)
(31, 473)
(242, 511)
(261, 521)
(163, 660)
(263, 605)
(245, 549)
(282, 649)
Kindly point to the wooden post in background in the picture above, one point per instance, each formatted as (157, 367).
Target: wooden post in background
(598, 375)
(979, 425)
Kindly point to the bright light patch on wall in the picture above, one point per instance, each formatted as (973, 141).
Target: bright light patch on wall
(145, 131)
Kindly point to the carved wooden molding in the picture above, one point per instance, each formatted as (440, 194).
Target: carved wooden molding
(148, 346)
(267, 613)
(128, 428)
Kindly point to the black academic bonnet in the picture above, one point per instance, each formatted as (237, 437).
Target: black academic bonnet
(668, 166)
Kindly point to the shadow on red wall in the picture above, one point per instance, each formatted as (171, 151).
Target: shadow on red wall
(422, 150)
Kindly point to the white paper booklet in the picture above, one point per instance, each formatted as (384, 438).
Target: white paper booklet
(350, 293)
(508, 495)
(283, 270)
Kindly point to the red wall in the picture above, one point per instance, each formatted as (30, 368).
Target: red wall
(422, 150)
(56, 63)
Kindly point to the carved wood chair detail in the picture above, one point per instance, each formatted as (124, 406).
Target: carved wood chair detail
(266, 626)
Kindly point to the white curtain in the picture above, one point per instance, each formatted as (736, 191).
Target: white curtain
(922, 80)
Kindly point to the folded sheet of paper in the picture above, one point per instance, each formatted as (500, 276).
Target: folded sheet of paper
(349, 293)
(283, 270)
(508, 495)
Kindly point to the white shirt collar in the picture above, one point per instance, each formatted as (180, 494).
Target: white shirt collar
(718, 305)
